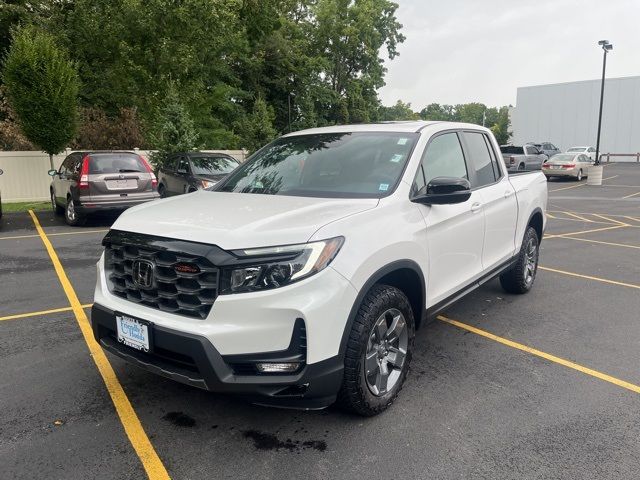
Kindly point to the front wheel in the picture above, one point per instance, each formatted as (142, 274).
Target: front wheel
(378, 352)
(520, 277)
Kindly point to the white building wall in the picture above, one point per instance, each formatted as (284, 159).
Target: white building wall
(566, 114)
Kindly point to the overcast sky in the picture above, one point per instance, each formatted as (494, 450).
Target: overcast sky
(459, 51)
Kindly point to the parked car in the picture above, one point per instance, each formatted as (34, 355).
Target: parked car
(528, 157)
(301, 277)
(188, 172)
(549, 149)
(90, 182)
(588, 151)
(1, 172)
(567, 165)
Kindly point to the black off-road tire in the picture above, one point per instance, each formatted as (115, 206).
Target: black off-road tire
(354, 394)
(162, 191)
(518, 279)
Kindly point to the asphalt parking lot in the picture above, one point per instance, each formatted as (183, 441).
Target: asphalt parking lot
(545, 385)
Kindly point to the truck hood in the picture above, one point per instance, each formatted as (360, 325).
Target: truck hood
(238, 220)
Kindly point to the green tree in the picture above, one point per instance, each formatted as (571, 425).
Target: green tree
(437, 112)
(501, 126)
(257, 127)
(175, 131)
(42, 87)
(399, 111)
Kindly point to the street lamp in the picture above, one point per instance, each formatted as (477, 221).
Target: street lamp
(597, 172)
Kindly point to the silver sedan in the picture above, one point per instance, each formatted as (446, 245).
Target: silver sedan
(567, 165)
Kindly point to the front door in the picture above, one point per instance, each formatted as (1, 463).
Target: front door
(455, 233)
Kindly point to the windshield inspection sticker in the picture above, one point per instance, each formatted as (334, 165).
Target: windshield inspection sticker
(383, 187)
(396, 158)
(402, 141)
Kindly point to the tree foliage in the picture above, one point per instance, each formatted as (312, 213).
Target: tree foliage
(175, 130)
(42, 87)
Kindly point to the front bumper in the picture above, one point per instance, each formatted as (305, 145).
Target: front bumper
(193, 360)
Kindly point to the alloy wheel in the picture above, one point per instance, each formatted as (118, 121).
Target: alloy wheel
(71, 211)
(386, 352)
(531, 260)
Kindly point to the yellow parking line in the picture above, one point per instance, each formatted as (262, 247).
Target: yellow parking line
(590, 241)
(589, 277)
(128, 417)
(80, 232)
(611, 220)
(579, 217)
(632, 195)
(42, 312)
(550, 216)
(579, 232)
(538, 353)
(566, 188)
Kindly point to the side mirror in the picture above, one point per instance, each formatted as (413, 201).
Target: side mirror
(445, 191)
(1, 171)
(52, 173)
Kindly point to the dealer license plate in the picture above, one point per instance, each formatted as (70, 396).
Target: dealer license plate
(132, 332)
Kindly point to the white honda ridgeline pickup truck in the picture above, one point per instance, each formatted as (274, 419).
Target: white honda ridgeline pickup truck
(299, 280)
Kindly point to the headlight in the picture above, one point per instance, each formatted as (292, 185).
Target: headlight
(278, 266)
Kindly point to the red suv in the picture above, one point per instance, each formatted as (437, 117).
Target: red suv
(89, 182)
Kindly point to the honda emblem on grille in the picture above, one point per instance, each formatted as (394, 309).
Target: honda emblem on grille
(142, 273)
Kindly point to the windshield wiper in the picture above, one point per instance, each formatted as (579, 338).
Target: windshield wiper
(129, 170)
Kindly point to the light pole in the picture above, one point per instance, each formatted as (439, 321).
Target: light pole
(596, 171)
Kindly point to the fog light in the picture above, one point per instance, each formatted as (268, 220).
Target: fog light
(277, 367)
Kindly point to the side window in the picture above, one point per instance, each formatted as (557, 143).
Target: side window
(183, 165)
(480, 158)
(65, 168)
(77, 163)
(442, 158)
(494, 158)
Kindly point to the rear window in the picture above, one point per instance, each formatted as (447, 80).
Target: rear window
(512, 150)
(115, 163)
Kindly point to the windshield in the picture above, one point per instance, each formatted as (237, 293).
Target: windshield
(206, 165)
(512, 150)
(330, 165)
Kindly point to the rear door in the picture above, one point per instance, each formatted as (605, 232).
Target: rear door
(63, 181)
(115, 176)
(455, 233)
(534, 158)
(498, 198)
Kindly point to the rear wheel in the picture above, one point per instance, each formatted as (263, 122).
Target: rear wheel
(579, 175)
(378, 352)
(520, 277)
(71, 216)
(58, 210)
(521, 167)
(162, 191)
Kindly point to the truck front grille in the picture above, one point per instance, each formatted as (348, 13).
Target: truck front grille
(182, 283)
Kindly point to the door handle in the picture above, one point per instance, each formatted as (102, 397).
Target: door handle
(508, 193)
(476, 206)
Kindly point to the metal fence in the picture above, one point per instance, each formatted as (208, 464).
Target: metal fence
(25, 177)
(620, 155)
